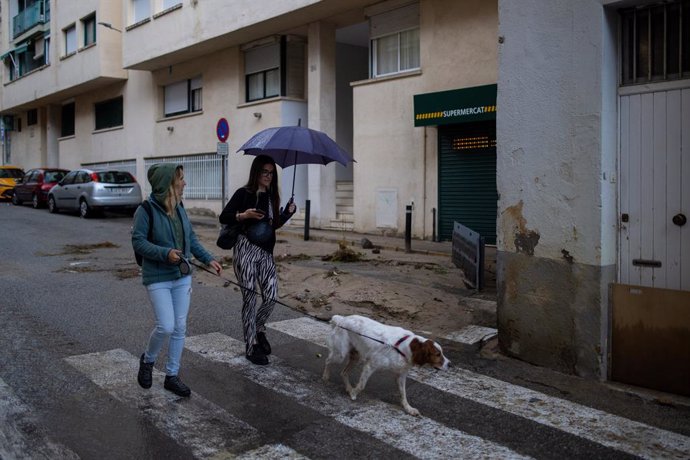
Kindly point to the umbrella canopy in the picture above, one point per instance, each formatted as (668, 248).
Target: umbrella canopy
(295, 145)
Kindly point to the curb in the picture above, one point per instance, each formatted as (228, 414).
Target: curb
(354, 242)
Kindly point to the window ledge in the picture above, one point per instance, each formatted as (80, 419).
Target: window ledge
(65, 138)
(105, 130)
(269, 100)
(83, 48)
(182, 115)
(411, 73)
(137, 24)
(62, 58)
(167, 10)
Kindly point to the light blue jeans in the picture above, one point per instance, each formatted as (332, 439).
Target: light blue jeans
(170, 300)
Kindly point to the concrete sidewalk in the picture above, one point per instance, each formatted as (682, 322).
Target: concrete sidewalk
(391, 243)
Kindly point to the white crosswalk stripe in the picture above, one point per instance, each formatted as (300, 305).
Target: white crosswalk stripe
(594, 425)
(21, 435)
(271, 452)
(196, 423)
(419, 436)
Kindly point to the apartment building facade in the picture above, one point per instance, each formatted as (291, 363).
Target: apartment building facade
(132, 82)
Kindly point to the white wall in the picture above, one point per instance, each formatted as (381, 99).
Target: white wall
(550, 169)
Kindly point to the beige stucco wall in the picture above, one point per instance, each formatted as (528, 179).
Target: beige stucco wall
(391, 153)
(458, 49)
(65, 74)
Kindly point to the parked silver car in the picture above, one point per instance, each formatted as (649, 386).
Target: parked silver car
(89, 191)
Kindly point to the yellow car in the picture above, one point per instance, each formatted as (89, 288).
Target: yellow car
(8, 179)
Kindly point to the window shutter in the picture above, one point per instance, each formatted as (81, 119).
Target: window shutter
(176, 98)
(406, 17)
(294, 73)
(262, 58)
(70, 40)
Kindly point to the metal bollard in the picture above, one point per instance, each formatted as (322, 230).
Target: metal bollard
(307, 208)
(433, 225)
(408, 228)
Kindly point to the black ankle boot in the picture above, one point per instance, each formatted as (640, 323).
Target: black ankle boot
(263, 342)
(145, 375)
(257, 356)
(174, 384)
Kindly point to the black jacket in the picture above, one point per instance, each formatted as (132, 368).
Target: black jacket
(244, 199)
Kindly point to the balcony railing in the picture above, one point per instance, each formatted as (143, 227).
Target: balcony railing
(38, 13)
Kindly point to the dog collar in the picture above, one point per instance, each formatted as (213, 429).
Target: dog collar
(401, 340)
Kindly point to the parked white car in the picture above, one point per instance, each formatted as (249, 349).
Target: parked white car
(89, 191)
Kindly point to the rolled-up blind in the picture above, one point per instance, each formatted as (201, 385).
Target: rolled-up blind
(406, 17)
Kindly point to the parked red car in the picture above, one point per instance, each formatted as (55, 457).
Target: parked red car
(36, 184)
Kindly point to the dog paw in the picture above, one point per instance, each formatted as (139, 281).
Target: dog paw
(353, 395)
(412, 411)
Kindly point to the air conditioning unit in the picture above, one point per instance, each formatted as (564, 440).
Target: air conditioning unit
(39, 48)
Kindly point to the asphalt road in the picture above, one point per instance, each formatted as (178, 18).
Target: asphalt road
(74, 320)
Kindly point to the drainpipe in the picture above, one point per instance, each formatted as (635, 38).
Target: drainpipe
(424, 189)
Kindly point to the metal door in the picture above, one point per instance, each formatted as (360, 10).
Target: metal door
(655, 189)
(467, 179)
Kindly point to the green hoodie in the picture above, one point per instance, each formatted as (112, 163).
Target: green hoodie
(156, 267)
(160, 177)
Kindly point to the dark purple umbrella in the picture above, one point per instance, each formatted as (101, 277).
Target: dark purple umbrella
(295, 145)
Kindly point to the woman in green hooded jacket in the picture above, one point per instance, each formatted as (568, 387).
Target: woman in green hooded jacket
(165, 270)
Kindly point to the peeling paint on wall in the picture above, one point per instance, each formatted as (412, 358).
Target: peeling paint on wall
(525, 240)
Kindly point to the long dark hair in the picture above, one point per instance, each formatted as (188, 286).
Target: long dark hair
(273, 190)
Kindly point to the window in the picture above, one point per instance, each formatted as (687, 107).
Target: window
(32, 117)
(170, 3)
(654, 42)
(108, 114)
(262, 85)
(82, 178)
(89, 27)
(395, 41)
(183, 97)
(69, 178)
(275, 68)
(67, 128)
(70, 35)
(46, 49)
(141, 10)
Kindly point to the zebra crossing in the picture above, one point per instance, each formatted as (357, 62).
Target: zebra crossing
(208, 430)
(610, 430)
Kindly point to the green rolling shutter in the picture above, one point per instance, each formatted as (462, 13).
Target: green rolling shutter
(467, 179)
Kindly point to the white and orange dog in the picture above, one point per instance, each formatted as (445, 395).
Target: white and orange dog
(380, 347)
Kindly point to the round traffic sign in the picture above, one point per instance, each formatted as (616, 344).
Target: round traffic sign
(222, 130)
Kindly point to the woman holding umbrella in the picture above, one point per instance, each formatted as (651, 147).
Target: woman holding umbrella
(257, 207)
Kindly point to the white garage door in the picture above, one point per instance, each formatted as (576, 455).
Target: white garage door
(655, 189)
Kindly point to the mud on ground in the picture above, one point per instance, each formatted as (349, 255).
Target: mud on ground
(421, 292)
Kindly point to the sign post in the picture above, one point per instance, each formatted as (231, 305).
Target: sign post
(222, 132)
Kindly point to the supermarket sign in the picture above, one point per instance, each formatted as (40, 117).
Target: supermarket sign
(455, 106)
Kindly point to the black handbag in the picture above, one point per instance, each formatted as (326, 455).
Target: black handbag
(259, 233)
(227, 238)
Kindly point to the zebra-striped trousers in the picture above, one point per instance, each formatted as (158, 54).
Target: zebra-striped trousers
(254, 266)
